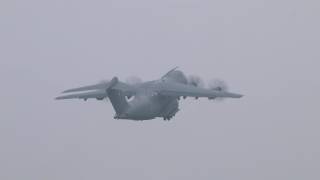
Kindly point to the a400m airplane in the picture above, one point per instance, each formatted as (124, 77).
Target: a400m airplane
(148, 100)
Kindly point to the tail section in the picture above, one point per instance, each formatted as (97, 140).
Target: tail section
(117, 98)
(118, 101)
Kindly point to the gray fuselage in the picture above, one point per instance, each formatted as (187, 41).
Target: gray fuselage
(147, 104)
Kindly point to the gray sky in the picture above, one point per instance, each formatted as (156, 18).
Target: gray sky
(265, 49)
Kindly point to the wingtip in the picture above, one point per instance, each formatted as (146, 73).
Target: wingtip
(57, 98)
(234, 95)
(238, 95)
(66, 91)
(73, 90)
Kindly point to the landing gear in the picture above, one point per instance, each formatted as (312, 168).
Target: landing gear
(166, 118)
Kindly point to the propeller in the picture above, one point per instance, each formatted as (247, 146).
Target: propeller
(104, 81)
(133, 80)
(196, 81)
(218, 85)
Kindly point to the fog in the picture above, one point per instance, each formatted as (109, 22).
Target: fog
(266, 50)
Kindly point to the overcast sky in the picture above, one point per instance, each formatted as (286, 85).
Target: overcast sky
(267, 50)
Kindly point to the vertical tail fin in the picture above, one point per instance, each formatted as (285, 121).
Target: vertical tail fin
(169, 72)
(118, 101)
(117, 97)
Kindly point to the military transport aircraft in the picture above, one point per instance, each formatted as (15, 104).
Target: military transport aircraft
(138, 100)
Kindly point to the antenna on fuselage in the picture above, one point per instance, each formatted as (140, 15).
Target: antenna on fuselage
(169, 72)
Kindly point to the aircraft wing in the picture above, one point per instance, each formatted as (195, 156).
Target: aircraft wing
(178, 90)
(99, 91)
(87, 95)
(118, 85)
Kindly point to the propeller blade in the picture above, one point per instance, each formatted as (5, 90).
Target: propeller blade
(196, 81)
(133, 80)
(218, 85)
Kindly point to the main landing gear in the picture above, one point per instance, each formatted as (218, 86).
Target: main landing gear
(166, 118)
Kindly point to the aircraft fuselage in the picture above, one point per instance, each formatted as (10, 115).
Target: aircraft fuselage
(147, 107)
